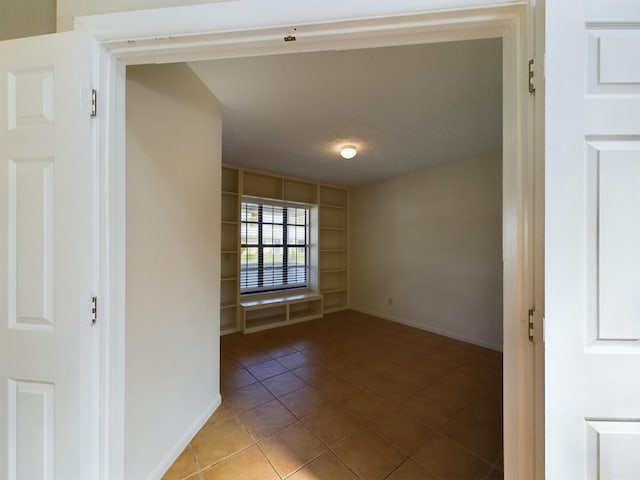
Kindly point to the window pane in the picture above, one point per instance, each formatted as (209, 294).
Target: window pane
(297, 216)
(278, 216)
(250, 233)
(297, 256)
(297, 235)
(267, 214)
(249, 268)
(252, 255)
(249, 212)
(267, 234)
(277, 235)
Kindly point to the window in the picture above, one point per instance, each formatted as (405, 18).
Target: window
(274, 243)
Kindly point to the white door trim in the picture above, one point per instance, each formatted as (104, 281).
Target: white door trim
(257, 27)
(112, 263)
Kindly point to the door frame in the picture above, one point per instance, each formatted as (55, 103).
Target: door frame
(258, 27)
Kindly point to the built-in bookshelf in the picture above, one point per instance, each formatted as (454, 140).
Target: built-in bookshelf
(333, 247)
(328, 280)
(229, 251)
(276, 311)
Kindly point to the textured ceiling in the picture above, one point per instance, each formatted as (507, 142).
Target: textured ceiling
(404, 107)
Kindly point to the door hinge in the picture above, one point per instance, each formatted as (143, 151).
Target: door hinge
(532, 86)
(94, 102)
(94, 310)
(536, 326)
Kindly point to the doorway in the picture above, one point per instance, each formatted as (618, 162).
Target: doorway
(501, 22)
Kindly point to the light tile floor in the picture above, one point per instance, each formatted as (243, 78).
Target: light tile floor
(351, 396)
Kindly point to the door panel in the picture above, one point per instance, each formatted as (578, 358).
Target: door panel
(615, 242)
(592, 239)
(46, 215)
(613, 449)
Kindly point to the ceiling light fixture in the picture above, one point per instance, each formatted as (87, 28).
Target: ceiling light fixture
(348, 152)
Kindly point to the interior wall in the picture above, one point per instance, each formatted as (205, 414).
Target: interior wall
(426, 249)
(69, 9)
(173, 266)
(26, 18)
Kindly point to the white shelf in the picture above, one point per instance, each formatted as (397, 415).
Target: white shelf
(334, 290)
(326, 205)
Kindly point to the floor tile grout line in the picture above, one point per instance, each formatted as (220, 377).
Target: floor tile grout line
(268, 460)
(365, 427)
(395, 469)
(490, 463)
(278, 396)
(496, 464)
(195, 461)
(227, 457)
(272, 433)
(297, 420)
(306, 464)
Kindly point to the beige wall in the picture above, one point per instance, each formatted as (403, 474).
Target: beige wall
(432, 242)
(172, 269)
(25, 18)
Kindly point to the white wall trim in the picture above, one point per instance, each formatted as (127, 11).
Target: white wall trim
(183, 441)
(112, 261)
(427, 328)
(176, 40)
(252, 17)
(166, 38)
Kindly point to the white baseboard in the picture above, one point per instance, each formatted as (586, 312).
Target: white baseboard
(428, 328)
(183, 441)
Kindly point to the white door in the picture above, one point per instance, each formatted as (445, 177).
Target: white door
(46, 207)
(593, 239)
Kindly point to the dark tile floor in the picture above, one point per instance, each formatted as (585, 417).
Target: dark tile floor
(351, 396)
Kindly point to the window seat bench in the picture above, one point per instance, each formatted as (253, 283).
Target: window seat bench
(261, 313)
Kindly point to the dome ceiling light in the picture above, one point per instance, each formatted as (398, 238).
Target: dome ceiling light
(348, 151)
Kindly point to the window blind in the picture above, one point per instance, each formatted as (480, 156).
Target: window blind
(274, 247)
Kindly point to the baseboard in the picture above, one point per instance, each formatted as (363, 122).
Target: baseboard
(182, 443)
(428, 328)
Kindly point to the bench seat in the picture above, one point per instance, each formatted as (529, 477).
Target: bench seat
(261, 313)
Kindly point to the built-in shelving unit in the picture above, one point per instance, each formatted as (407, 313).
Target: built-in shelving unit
(229, 251)
(333, 247)
(270, 312)
(328, 280)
